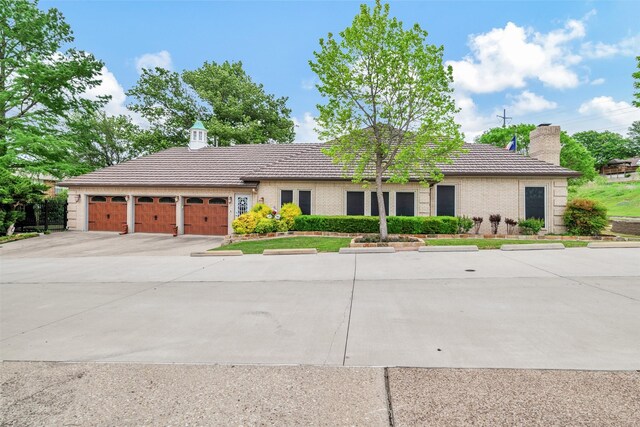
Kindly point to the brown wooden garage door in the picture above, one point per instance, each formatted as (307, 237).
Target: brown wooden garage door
(206, 215)
(155, 214)
(107, 213)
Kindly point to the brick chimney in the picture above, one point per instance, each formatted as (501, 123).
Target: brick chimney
(544, 143)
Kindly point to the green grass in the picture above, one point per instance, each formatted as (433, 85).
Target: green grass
(620, 198)
(333, 244)
(496, 243)
(16, 237)
(322, 244)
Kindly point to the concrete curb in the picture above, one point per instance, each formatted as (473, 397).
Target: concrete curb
(532, 247)
(602, 245)
(310, 251)
(461, 248)
(217, 253)
(373, 250)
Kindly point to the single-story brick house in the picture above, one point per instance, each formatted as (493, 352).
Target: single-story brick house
(200, 189)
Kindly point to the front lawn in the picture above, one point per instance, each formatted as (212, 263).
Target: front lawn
(16, 237)
(620, 198)
(496, 243)
(322, 244)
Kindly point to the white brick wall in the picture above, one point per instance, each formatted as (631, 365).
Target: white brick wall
(475, 196)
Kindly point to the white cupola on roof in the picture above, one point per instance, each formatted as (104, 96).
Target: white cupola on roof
(197, 136)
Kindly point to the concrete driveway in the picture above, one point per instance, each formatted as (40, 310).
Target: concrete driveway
(97, 243)
(571, 309)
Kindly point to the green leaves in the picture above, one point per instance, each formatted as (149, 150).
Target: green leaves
(605, 146)
(389, 109)
(235, 110)
(41, 84)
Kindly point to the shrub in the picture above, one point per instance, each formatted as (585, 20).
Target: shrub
(585, 217)
(288, 214)
(477, 222)
(262, 210)
(370, 224)
(245, 223)
(530, 226)
(464, 224)
(495, 222)
(511, 223)
(282, 226)
(266, 225)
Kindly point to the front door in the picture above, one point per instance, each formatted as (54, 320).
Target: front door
(243, 204)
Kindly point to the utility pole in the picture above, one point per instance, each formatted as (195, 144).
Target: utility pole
(504, 118)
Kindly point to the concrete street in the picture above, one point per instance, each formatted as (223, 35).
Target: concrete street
(132, 300)
(101, 329)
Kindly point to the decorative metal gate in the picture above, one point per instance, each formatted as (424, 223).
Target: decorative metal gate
(48, 215)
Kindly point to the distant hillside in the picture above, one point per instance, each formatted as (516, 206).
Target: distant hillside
(620, 198)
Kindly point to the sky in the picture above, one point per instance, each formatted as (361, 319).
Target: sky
(563, 62)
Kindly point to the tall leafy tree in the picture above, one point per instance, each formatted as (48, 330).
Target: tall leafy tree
(636, 84)
(604, 146)
(234, 109)
(573, 155)
(389, 107)
(42, 81)
(634, 138)
(102, 140)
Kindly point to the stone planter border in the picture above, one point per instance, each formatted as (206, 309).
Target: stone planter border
(244, 237)
(397, 245)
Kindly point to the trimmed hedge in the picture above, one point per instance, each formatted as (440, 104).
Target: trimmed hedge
(371, 224)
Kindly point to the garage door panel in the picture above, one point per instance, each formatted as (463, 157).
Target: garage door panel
(206, 216)
(152, 216)
(107, 213)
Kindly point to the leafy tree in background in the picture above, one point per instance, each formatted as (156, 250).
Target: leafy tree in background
(16, 191)
(572, 154)
(234, 109)
(40, 85)
(102, 140)
(388, 111)
(636, 84)
(634, 138)
(605, 146)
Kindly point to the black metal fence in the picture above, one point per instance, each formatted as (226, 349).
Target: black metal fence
(48, 215)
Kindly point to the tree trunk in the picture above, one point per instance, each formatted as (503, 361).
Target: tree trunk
(381, 209)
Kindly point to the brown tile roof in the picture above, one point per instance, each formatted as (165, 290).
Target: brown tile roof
(243, 165)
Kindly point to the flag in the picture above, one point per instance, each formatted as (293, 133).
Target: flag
(511, 146)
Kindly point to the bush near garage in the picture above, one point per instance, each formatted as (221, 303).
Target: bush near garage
(261, 210)
(266, 225)
(246, 223)
(585, 217)
(370, 224)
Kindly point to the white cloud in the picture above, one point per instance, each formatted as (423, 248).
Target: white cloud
(616, 114)
(597, 82)
(304, 128)
(629, 46)
(529, 102)
(507, 57)
(309, 84)
(160, 59)
(110, 86)
(472, 123)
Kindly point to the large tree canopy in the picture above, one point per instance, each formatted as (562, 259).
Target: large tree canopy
(101, 140)
(41, 83)
(573, 155)
(605, 146)
(388, 110)
(234, 109)
(636, 84)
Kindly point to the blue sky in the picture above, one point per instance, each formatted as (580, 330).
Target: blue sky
(564, 62)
